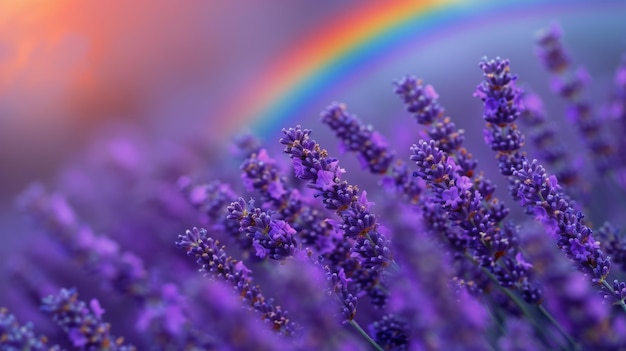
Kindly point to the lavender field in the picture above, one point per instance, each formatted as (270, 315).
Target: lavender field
(475, 203)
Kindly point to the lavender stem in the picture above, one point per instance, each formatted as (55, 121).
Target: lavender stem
(610, 289)
(363, 333)
(549, 316)
(516, 301)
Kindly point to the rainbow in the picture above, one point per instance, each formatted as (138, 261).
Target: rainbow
(344, 47)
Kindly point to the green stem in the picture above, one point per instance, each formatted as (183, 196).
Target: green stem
(569, 339)
(394, 266)
(519, 303)
(365, 335)
(496, 316)
(493, 278)
(610, 288)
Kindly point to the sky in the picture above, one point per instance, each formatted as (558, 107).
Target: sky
(201, 69)
(67, 67)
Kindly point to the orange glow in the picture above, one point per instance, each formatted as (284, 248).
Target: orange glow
(94, 58)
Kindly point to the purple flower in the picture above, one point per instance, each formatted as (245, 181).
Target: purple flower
(260, 172)
(492, 244)
(420, 101)
(572, 87)
(340, 196)
(325, 180)
(401, 181)
(502, 107)
(211, 199)
(121, 270)
(613, 243)
(538, 191)
(533, 187)
(550, 49)
(358, 137)
(245, 144)
(391, 332)
(441, 129)
(451, 198)
(339, 286)
(548, 147)
(270, 237)
(83, 326)
(14, 336)
(213, 260)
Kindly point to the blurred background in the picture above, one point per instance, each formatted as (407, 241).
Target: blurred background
(202, 70)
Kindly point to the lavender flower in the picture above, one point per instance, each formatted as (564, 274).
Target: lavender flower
(391, 333)
(311, 225)
(613, 243)
(492, 245)
(211, 199)
(420, 101)
(84, 326)
(97, 253)
(576, 304)
(401, 181)
(545, 141)
(463, 199)
(14, 337)
(345, 126)
(213, 260)
(501, 99)
(530, 183)
(312, 163)
(260, 173)
(122, 271)
(571, 86)
(356, 137)
(338, 283)
(270, 237)
(540, 193)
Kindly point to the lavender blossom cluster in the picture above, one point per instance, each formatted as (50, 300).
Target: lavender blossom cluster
(287, 252)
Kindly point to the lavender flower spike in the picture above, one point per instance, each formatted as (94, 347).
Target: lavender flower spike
(420, 100)
(270, 237)
(501, 99)
(531, 185)
(544, 139)
(571, 86)
(14, 336)
(540, 193)
(492, 245)
(84, 326)
(312, 163)
(358, 137)
(391, 332)
(213, 260)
